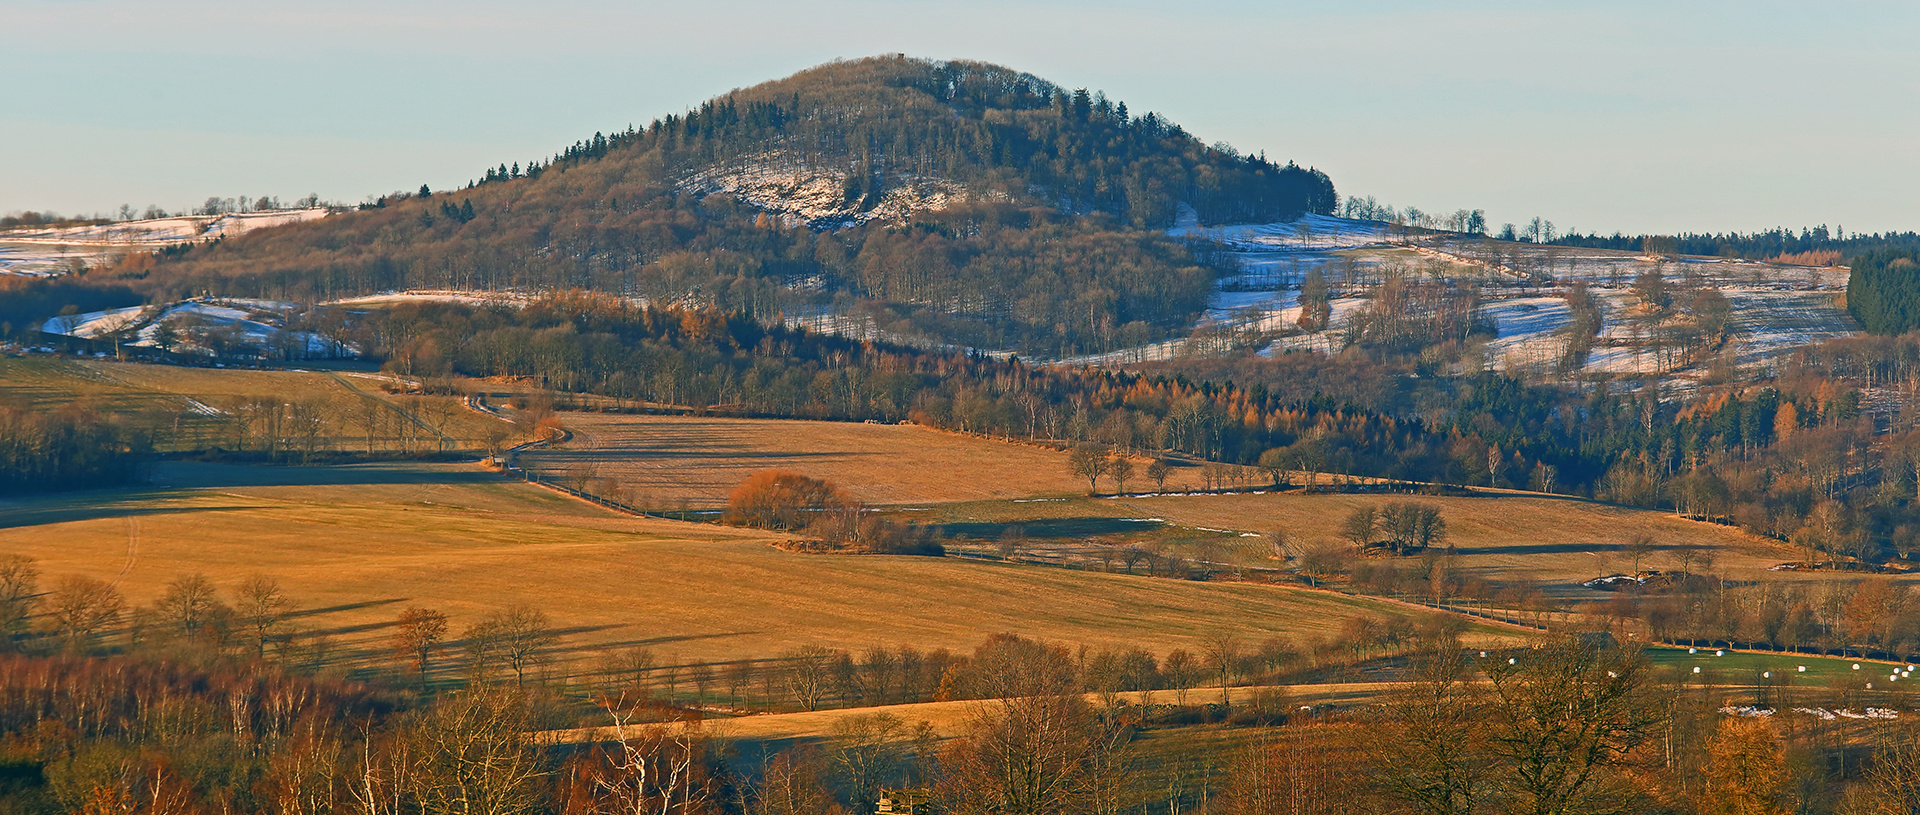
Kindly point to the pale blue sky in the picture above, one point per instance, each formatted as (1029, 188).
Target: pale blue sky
(1656, 116)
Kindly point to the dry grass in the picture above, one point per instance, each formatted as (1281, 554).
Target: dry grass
(662, 461)
(1555, 540)
(952, 718)
(341, 401)
(363, 542)
(670, 461)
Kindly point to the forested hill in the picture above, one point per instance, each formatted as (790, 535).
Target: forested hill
(959, 201)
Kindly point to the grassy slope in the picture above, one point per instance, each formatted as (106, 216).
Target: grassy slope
(367, 541)
(975, 482)
(662, 460)
(44, 382)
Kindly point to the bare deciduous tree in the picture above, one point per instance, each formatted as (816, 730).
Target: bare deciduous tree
(190, 606)
(19, 590)
(262, 607)
(1120, 469)
(807, 674)
(80, 606)
(516, 635)
(416, 634)
(1090, 463)
(471, 754)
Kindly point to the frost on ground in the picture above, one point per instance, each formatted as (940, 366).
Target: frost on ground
(821, 197)
(45, 251)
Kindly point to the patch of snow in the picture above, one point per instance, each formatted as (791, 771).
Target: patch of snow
(1309, 232)
(94, 324)
(818, 196)
(159, 232)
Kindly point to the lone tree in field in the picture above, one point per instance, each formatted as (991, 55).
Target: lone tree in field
(781, 499)
(1157, 472)
(261, 608)
(418, 631)
(1120, 470)
(1089, 462)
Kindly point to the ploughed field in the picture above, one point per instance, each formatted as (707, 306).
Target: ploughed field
(354, 545)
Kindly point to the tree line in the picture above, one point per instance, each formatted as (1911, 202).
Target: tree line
(69, 447)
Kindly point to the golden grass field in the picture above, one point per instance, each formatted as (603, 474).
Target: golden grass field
(366, 541)
(342, 400)
(660, 461)
(663, 461)
(1544, 538)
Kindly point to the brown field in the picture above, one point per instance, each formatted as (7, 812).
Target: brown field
(345, 401)
(1501, 536)
(972, 482)
(670, 461)
(951, 718)
(357, 544)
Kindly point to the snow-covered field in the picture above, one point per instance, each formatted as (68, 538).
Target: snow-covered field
(41, 251)
(1776, 307)
(1311, 232)
(469, 298)
(161, 231)
(198, 326)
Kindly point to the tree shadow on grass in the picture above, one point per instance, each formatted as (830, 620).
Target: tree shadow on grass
(310, 612)
(63, 512)
(1083, 527)
(1570, 548)
(210, 475)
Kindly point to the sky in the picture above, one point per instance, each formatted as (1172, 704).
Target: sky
(1600, 116)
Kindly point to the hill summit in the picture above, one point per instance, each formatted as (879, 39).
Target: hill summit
(955, 201)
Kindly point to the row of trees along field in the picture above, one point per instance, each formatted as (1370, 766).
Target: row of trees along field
(68, 448)
(204, 712)
(1058, 246)
(1815, 246)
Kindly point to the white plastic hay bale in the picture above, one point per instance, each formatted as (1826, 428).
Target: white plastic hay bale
(1696, 669)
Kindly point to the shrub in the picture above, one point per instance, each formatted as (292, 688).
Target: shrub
(781, 499)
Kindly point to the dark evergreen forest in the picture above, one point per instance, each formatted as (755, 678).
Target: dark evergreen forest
(1883, 291)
